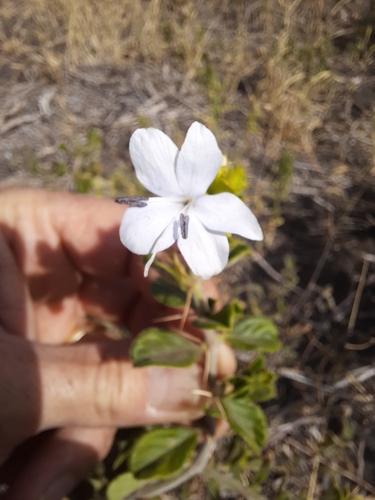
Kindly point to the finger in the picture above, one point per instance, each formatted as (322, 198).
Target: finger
(83, 228)
(64, 457)
(60, 462)
(98, 379)
(42, 387)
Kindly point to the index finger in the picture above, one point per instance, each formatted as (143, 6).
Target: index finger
(88, 227)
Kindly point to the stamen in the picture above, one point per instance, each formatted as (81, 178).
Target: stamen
(184, 225)
(133, 201)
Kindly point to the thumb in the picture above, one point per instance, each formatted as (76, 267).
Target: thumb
(95, 384)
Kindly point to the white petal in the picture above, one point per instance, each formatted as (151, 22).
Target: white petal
(206, 253)
(198, 161)
(226, 213)
(154, 155)
(141, 228)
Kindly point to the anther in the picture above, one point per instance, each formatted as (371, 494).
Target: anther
(184, 225)
(133, 201)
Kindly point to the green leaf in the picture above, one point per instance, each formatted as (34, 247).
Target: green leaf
(256, 365)
(240, 385)
(160, 347)
(248, 420)
(168, 294)
(262, 386)
(161, 452)
(208, 324)
(227, 315)
(229, 179)
(122, 485)
(238, 453)
(258, 387)
(222, 320)
(254, 333)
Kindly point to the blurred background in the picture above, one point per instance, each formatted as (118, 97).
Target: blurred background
(288, 88)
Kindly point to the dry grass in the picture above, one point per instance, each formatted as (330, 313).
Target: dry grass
(233, 40)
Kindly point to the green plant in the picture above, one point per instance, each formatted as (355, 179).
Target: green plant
(165, 458)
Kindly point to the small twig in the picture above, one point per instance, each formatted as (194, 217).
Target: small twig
(351, 378)
(352, 477)
(18, 121)
(310, 346)
(360, 375)
(358, 296)
(296, 375)
(331, 466)
(361, 460)
(279, 432)
(360, 347)
(187, 335)
(300, 447)
(339, 310)
(311, 285)
(272, 273)
(167, 319)
(13, 110)
(313, 478)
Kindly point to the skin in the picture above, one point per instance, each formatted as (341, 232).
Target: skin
(61, 260)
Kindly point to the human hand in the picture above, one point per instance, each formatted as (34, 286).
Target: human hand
(60, 261)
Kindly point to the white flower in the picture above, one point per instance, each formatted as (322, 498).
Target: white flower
(182, 211)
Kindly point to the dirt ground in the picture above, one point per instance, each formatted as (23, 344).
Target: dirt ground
(298, 114)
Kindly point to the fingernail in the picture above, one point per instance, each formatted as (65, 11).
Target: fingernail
(172, 389)
(59, 488)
